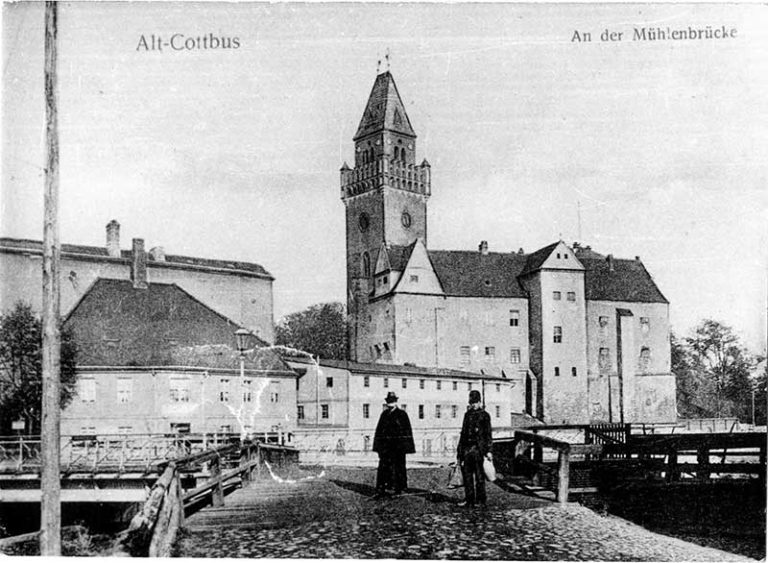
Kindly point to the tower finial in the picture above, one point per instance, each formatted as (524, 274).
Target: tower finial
(386, 56)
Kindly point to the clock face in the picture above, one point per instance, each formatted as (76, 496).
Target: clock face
(363, 222)
(405, 218)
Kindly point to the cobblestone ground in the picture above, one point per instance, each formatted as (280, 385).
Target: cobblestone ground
(335, 517)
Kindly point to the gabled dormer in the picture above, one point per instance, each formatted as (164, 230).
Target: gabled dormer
(556, 256)
(419, 274)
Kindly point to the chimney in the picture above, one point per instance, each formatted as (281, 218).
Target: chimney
(520, 251)
(139, 264)
(610, 262)
(157, 254)
(483, 247)
(637, 258)
(113, 239)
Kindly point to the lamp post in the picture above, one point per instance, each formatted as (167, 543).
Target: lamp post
(241, 336)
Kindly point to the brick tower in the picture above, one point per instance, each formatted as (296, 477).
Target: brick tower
(385, 194)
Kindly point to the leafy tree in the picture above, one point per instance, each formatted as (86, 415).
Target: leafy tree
(692, 386)
(320, 330)
(722, 367)
(21, 358)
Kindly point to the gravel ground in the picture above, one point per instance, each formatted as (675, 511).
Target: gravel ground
(334, 516)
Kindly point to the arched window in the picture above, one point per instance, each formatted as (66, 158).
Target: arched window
(366, 265)
(397, 153)
(402, 155)
(371, 155)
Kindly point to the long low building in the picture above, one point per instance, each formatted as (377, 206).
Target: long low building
(339, 403)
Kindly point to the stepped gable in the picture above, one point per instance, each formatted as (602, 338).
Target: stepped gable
(115, 324)
(472, 274)
(617, 279)
(384, 110)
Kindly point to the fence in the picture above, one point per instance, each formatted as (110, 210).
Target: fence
(152, 532)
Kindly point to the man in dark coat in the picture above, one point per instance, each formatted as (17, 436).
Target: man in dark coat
(393, 439)
(474, 446)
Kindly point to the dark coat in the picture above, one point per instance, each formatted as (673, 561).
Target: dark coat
(393, 433)
(475, 431)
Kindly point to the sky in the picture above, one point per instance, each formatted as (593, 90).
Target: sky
(655, 149)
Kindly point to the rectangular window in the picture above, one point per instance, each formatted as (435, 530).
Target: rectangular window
(454, 411)
(300, 412)
(366, 381)
(557, 372)
(274, 397)
(604, 359)
(225, 429)
(469, 386)
(421, 384)
(87, 389)
(179, 388)
(645, 324)
(464, 358)
(556, 295)
(514, 317)
(378, 350)
(324, 411)
(439, 384)
(366, 411)
(645, 358)
(498, 411)
(514, 356)
(455, 385)
(490, 352)
(421, 411)
(386, 383)
(125, 429)
(408, 315)
(124, 389)
(414, 278)
(437, 411)
(329, 382)
(558, 335)
(574, 373)
(247, 391)
(602, 321)
(498, 387)
(405, 383)
(571, 296)
(223, 390)
(88, 430)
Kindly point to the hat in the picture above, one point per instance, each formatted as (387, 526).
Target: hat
(475, 397)
(391, 397)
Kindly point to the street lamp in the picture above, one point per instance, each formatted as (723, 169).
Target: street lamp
(241, 335)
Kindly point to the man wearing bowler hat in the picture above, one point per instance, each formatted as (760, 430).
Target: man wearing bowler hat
(474, 446)
(393, 439)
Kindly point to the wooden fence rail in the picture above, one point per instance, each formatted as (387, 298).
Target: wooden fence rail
(152, 532)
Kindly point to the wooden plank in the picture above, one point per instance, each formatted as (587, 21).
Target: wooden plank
(541, 440)
(563, 475)
(217, 494)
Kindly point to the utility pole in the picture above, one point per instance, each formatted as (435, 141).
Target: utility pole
(50, 486)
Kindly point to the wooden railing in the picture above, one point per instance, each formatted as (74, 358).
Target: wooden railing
(533, 457)
(152, 532)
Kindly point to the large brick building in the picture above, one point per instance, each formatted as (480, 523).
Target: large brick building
(585, 335)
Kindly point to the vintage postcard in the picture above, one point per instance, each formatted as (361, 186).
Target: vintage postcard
(378, 280)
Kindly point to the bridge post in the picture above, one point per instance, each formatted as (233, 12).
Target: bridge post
(672, 471)
(702, 459)
(217, 495)
(563, 474)
(245, 458)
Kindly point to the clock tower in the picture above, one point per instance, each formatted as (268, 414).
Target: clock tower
(385, 193)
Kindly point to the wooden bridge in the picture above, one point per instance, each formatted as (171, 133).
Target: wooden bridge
(108, 468)
(564, 460)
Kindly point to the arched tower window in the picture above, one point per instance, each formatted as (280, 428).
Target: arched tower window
(366, 265)
(397, 153)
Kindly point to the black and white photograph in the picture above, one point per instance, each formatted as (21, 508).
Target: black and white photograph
(422, 280)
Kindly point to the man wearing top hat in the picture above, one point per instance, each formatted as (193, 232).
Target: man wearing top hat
(393, 439)
(474, 446)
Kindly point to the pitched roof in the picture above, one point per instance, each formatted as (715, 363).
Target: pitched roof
(116, 325)
(399, 256)
(536, 259)
(628, 281)
(384, 110)
(398, 370)
(472, 274)
(98, 252)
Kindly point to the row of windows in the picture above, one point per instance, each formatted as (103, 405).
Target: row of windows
(645, 323)
(465, 355)
(557, 296)
(178, 390)
(404, 383)
(439, 411)
(574, 372)
(604, 358)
